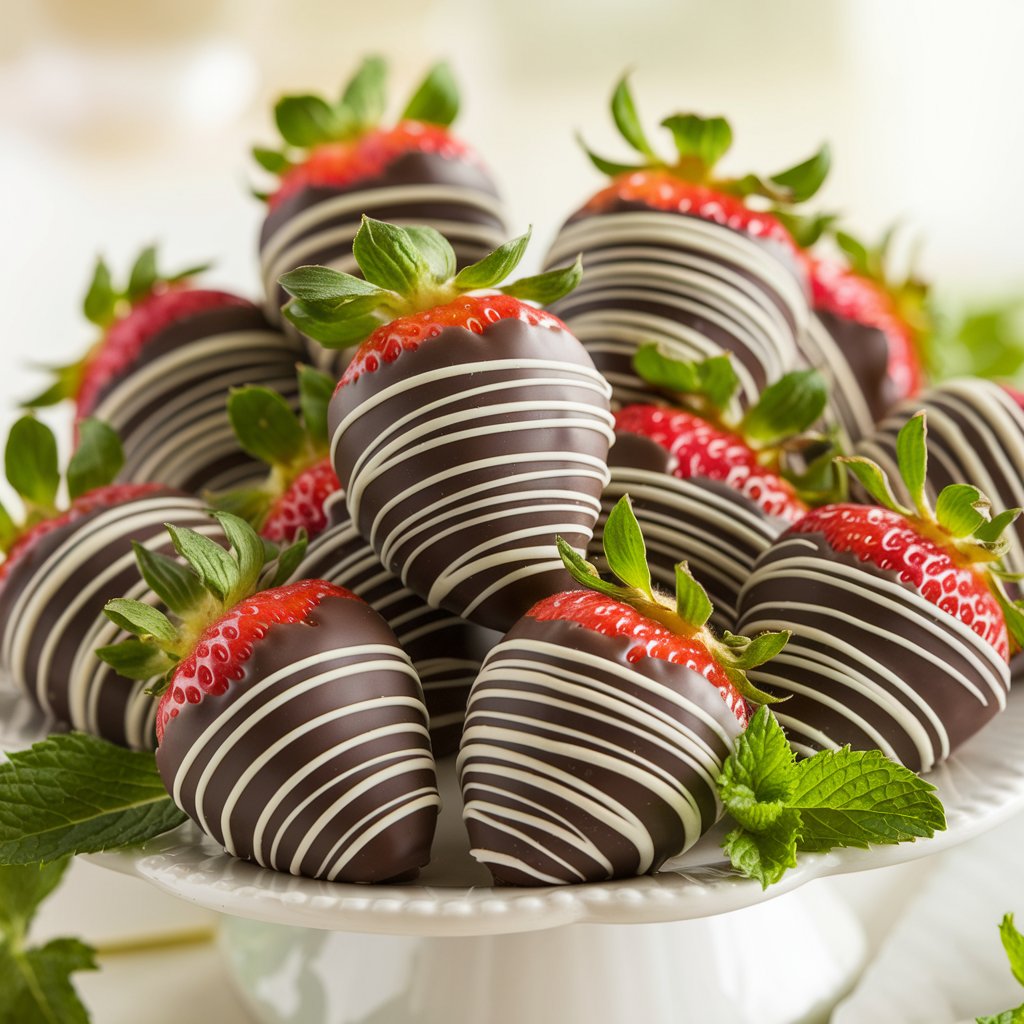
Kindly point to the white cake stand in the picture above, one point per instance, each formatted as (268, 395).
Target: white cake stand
(705, 946)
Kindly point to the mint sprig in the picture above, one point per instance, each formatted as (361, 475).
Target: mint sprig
(836, 798)
(74, 793)
(35, 981)
(1013, 944)
(405, 271)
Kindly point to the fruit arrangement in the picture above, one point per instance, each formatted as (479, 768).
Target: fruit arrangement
(655, 536)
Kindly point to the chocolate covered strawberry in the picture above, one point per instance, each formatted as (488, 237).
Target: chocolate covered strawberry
(683, 256)
(468, 429)
(598, 727)
(975, 432)
(340, 161)
(63, 562)
(901, 624)
(167, 353)
(291, 725)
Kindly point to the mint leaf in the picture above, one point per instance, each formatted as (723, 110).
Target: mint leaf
(765, 855)
(75, 793)
(786, 408)
(624, 548)
(436, 99)
(496, 266)
(692, 602)
(1013, 943)
(861, 798)
(23, 889)
(706, 139)
(265, 425)
(97, 459)
(628, 121)
(549, 287)
(31, 463)
(1007, 1017)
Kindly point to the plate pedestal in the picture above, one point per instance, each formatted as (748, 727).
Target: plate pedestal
(788, 961)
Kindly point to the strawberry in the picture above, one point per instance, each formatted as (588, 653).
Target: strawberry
(468, 430)
(976, 432)
(598, 726)
(291, 725)
(340, 162)
(301, 478)
(62, 564)
(157, 373)
(900, 619)
(694, 261)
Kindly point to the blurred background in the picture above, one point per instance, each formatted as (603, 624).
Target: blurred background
(124, 123)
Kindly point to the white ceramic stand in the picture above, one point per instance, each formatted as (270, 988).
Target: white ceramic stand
(788, 961)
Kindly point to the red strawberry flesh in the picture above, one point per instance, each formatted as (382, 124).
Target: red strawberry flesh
(890, 541)
(218, 658)
(91, 501)
(613, 618)
(662, 190)
(125, 338)
(301, 507)
(700, 449)
(407, 333)
(341, 164)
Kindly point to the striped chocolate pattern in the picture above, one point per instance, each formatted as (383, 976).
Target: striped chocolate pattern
(975, 436)
(316, 762)
(578, 765)
(871, 662)
(693, 286)
(464, 458)
(714, 528)
(446, 651)
(51, 614)
(170, 410)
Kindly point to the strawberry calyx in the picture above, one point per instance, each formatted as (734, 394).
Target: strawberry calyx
(700, 142)
(268, 429)
(961, 521)
(33, 471)
(325, 132)
(777, 428)
(105, 306)
(686, 615)
(197, 593)
(406, 271)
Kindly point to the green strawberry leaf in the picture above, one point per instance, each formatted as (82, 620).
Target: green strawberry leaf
(249, 503)
(861, 798)
(9, 530)
(912, 459)
(100, 303)
(961, 509)
(436, 251)
(803, 181)
(315, 391)
(628, 121)
(704, 139)
(807, 229)
(32, 465)
(143, 274)
(352, 326)
(857, 254)
(873, 479)
(327, 288)
(97, 459)
(248, 549)
(138, 659)
(713, 379)
(583, 572)
(991, 531)
(624, 548)
(265, 425)
(175, 584)
(216, 569)
(692, 602)
(284, 564)
(495, 267)
(74, 793)
(765, 855)
(436, 99)
(141, 619)
(388, 257)
(759, 650)
(548, 287)
(365, 96)
(271, 160)
(67, 381)
(306, 121)
(1013, 613)
(608, 167)
(786, 408)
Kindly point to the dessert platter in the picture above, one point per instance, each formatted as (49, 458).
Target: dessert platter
(503, 648)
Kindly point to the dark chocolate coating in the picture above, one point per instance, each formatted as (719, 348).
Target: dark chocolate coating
(446, 651)
(696, 287)
(866, 352)
(466, 510)
(322, 740)
(52, 621)
(170, 407)
(579, 765)
(975, 436)
(871, 662)
(715, 529)
(316, 225)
